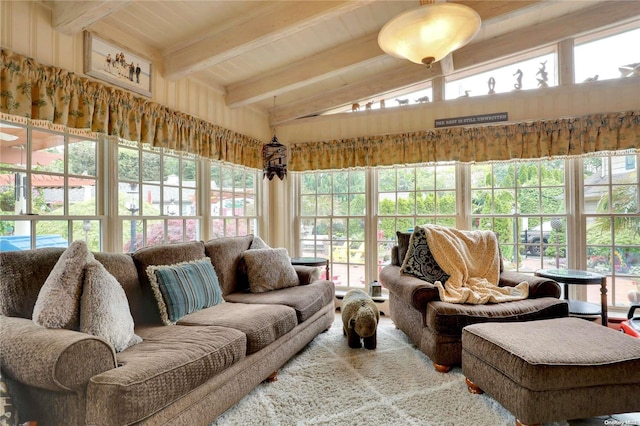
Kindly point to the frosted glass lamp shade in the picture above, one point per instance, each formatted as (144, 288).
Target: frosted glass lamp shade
(430, 32)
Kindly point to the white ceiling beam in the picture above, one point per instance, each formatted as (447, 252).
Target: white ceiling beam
(406, 74)
(276, 21)
(71, 17)
(306, 71)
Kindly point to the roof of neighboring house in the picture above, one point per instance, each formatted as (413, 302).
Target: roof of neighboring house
(592, 190)
(48, 181)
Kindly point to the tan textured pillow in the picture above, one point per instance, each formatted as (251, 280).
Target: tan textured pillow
(104, 308)
(269, 269)
(58, 303)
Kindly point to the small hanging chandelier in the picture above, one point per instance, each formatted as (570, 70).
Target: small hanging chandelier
(274, 156)
(429, 33)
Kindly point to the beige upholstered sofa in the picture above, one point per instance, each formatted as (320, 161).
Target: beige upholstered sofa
(435, 327)
(187, 373)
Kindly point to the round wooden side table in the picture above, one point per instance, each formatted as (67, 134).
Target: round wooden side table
(577, 277)
(312, 261)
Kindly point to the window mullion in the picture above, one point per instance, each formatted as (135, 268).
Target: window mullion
(371, 228)
(463, 200)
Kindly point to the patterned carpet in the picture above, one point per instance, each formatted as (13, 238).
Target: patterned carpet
(329, 384)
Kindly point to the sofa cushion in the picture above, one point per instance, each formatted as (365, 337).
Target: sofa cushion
(419, 260)
(20, 285)
(403, 245)
(305, 299)
(58, 303)
(168, 364)
(269, 269)
(449, 319)
(166, 254)
(226, 255)
(263, 324)
(104, 310)
(184, 288)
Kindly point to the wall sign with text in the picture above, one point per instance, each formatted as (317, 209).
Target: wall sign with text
(472, 119)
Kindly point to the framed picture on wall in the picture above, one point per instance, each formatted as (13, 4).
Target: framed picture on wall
(114, 64)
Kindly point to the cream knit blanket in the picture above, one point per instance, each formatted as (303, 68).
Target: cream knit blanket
(471, 259)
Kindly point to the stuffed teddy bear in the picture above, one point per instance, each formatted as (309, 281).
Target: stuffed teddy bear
(360, 318)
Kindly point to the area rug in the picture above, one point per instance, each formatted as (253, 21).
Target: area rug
(328, 383)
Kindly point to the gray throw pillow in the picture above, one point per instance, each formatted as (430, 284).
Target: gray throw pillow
(104, 308)
(58, 303)
(269, 269)
(419, 261)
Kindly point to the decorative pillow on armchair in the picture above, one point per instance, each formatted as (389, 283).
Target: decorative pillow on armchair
(184, 288)
(58, 303)
(419, 261)
(269, 269)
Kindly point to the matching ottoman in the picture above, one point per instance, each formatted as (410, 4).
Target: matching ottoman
(557, 369)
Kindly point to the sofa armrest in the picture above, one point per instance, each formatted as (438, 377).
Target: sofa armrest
(538, 286)
(412, 290)
(54, 359)
(307, 274)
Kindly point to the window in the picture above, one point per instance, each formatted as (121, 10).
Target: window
(422, 93)
(528, 74)
(49, 188)
(333, 210)
(410, 196)
(525, 204)
(53, 191)
(617, 56)
(156, 196)
(612, 220)
(234, 207)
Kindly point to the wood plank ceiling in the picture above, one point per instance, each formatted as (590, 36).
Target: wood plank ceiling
(315, 56)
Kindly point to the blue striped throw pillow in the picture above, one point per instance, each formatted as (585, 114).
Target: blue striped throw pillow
(184, 288)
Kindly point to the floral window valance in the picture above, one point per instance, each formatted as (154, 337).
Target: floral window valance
(40, 92)
(540, 139)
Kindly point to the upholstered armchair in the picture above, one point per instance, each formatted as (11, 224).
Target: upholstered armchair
(435, 327)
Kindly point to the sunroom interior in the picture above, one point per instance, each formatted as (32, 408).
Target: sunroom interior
(556, 176)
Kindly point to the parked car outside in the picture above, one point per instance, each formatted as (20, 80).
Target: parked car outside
(532, 237)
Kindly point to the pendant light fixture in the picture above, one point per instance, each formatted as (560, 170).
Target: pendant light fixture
(429, 33)
(274, 156)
